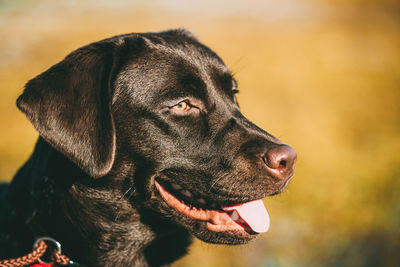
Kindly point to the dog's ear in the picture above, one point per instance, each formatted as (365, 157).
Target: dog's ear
(70, 105)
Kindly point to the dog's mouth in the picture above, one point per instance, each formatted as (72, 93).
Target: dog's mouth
(250, 217)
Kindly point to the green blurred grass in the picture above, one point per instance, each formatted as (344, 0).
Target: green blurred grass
(325, 80)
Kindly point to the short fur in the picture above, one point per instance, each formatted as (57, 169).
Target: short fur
(108, 130)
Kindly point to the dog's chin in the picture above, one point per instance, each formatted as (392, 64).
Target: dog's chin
(207, 221)
(200, 230)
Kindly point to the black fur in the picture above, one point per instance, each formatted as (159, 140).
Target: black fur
(109, 128)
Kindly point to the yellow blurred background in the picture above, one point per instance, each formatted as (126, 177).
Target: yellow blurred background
(324, 76)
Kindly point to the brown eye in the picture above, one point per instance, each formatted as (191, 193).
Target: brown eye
(182, 106)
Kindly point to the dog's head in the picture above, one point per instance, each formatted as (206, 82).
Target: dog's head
(157, 112)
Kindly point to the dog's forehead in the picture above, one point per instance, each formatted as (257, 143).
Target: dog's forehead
(178, 43)
(177, 64)
(184, 53)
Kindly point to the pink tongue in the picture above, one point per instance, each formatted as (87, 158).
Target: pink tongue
(253, 213)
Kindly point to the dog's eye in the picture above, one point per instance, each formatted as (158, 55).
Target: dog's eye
(182, 106)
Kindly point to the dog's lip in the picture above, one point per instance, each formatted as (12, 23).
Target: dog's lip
(239, 217)
(216, 220)
(189, 196)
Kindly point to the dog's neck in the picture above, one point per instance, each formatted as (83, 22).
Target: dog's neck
(96, 225)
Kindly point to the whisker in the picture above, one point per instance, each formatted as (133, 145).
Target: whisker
(123, 195)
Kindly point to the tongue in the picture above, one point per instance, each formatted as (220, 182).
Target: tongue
(253, 213)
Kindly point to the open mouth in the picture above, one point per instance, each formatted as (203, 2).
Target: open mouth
(251, 217)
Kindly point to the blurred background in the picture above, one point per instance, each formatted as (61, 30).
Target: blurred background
(323, 76)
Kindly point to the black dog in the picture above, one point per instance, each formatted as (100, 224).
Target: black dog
(142, 145)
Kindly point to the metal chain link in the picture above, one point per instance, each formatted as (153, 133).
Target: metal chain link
(38, 251)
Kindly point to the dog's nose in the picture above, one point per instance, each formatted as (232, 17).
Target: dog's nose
(280, 161)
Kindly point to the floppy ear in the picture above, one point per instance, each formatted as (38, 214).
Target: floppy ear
(70, 106)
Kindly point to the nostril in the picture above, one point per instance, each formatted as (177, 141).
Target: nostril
(282, 163)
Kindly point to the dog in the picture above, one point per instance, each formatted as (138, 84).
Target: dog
(141, 146)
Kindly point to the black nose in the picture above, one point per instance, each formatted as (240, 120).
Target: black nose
(280, 161)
